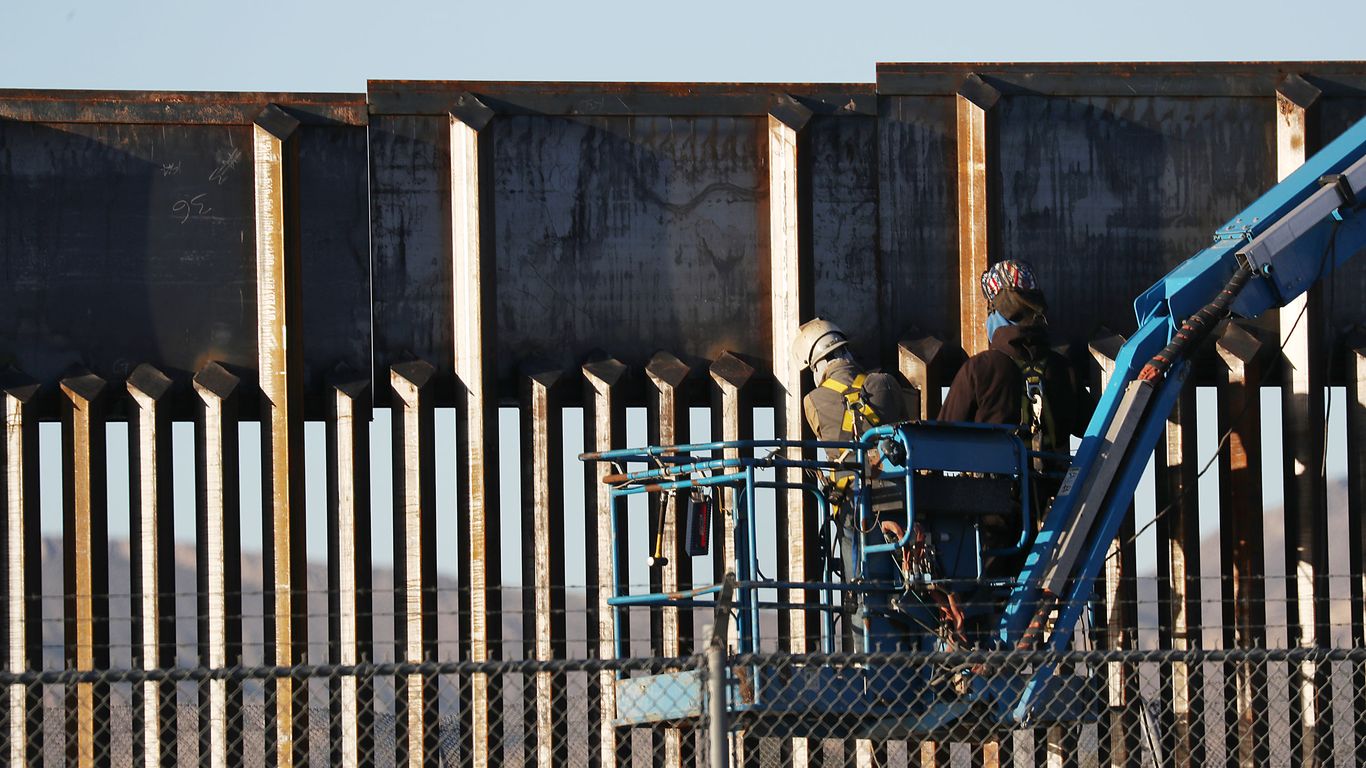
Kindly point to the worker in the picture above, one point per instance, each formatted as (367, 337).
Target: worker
(1019, 378)
(846, 402)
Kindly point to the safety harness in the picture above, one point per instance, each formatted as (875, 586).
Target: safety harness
(1036, 417)
(853, 403)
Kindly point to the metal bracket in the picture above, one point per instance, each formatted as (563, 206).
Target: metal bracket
(1339, 182)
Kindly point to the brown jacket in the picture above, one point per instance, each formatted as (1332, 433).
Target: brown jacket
(825, 407)
(989, 387)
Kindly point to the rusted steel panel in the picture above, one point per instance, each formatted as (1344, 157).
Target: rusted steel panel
(1167, 79)
(218, 555)
(387, 97)
(1178, 584)
(1241, 546)
(280, 365)
(85, 539)
(415, 558)
(174, 107)
(1106, 194)
(145, 227)
(604, 428)
(334, 253)
(1302, 374)
(917, 218)
(152, 555)
(349, 600)
(617, 230)
(543, 543)
(846, 283)
(23, 575)
(410, 241)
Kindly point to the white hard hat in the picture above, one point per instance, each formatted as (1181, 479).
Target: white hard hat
(816, 339)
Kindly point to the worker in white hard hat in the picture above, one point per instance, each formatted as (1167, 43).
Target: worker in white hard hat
(846, 401)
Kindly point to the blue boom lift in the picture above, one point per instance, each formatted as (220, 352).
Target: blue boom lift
(947, 548)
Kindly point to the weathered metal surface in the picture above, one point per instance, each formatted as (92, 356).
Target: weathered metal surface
(85, 560)
(928, 365)
(544, 580)
(604, 427)
(218, 556)
(977, 132)
(349, 600)
(1354, 353)
(415, 557)
(1306, 504)
(152, 535)
(23, 605)
(1179, 583)
(473, 214)
(280, 365)
(733, 419)
(1241, 547)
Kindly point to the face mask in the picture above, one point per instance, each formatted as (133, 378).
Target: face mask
(995, 321)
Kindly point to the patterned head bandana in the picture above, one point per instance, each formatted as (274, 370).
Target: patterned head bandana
(1013, 274)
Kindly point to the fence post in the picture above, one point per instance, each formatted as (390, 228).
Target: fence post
(976, 131)
(717, 727)
(925, 363)
(23, 567)
(1243, 591)
(1355, 349)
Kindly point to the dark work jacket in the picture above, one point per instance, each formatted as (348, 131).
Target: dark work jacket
(824, 407)
(989, 388)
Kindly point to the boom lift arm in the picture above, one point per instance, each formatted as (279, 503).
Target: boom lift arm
(1290, 238)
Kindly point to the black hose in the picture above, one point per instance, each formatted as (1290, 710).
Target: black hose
(1196, 327)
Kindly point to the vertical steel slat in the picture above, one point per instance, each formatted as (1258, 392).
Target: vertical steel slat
(976, 130)
(1243, 592)
(415, 557)
(350, 604)
(1178, 586)
(218, 561)
(925, 364)
(790, 280)
(1355, 368)
(604, 426)
(671, 630)
(280, 365)
(473, 274)
(732, 419)
(23, 569)
(543, 583)
(1121, 593)
(152, 534)
(1303, 376)
(86, 563)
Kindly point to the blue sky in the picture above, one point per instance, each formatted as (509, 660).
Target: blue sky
(335, 46)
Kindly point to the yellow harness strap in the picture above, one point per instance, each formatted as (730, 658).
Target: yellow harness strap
(853, 401)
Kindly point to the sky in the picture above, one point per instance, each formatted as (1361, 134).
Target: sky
(249, 45)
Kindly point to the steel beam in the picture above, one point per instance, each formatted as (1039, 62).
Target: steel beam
(543, 580)
(925, 363)
(23, 543)
(152, 534)
(349, 599)
(85, 537)
(604, 427)
(414, 420)
(790, 280)
(671, 629)
(1242, 551)
(1354, 347)
(732, 419)
(1121, 593)
(976, 130)
(1178, 586)
(1303, 375)
(472, 245)
(280, 366)
(219, 561)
